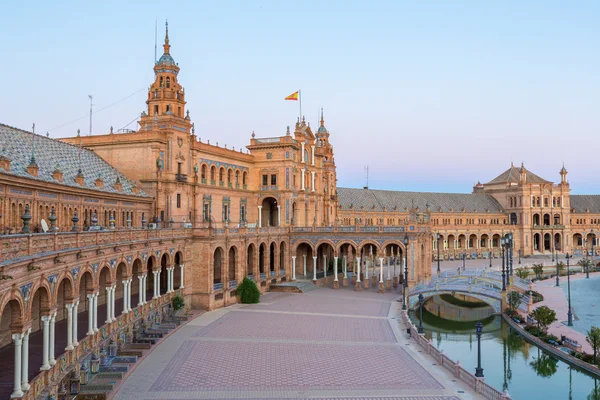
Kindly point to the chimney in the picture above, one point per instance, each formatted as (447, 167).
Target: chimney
(32, 168)
(99, 183)
(5, 163)
(118, 185)
(79, 178)
(57, 174)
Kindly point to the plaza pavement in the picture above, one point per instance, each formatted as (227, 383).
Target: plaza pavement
(323, 344)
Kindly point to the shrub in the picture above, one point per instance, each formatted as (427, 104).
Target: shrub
(538, 270)
(537, 297)
(248, 292)
(178, 303)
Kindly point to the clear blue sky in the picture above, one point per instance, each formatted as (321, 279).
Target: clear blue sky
(433, 95)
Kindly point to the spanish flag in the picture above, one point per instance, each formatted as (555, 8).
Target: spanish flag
(293, 96)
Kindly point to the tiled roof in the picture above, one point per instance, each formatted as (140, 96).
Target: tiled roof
(582, 202)
(513, 174)
(405, 200)
(16, 145)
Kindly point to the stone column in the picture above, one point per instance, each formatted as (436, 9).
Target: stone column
(278, 215)
(46, 342)
(108, 307)
(314, 268)
(125, 310)
(367, 281)
(304, 266)
(302, 153)
(18, 339)
(312, 147)
(260, 216)
(113, 296)
(52, 361)
(336, 283)
(388, 283)
(293, 268)
(156, 295)
(69, 308)
(303, 178)
(312, 178)
(75, 320)
(158, 273)
(145, 281)
(129, 294)
(95, 319)
(141, 292)
(181, 276)
(381, 287)
(168, 280)
(90, 314)
(25, 361)
(357, 287)
(324, 265)
(345, 266)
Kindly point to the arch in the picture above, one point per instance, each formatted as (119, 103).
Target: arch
(229, 176)
(484, 241)
(325, 251)
(177, 271)
(294, 218)
(66, 282)
(547, 242)
(304, 258)
(39, 305)
(203, 172)
(367, 243)
(221, 174)
(462, 241)
(577, 239)
(262, 250)
(244, 178)
(282, 257)
(272, 254)
(536, 219)
(495, 240)
(557, 242)
(218, 266)
(472, 242)
(86, 286)
(232, 260)
(269, 212)
(557, 219)
(213, 174)
(237, 177)
(165, 262)
(345, 244)
(537, 242)
(546, 219)
(137, 269)
(251, 260)
(11, 319)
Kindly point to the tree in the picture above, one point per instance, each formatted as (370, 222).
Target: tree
(248, 292)
(514, 300)
(523, 272)
(593, 338)
(561, 268)
(544, 316)
(538, 270)
(544, 365)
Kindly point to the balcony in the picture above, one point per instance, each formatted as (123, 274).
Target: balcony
(269, 188)
(181, 178)
(548, 227)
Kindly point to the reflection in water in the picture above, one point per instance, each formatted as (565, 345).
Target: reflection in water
(509, 361)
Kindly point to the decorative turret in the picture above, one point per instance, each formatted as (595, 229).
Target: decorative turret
(563, 174)
(522, 174)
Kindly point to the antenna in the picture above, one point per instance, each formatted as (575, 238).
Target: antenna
(367, 176)
(90, 96)
(155, 37)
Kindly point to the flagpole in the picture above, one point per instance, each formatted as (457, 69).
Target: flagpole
(300, 98)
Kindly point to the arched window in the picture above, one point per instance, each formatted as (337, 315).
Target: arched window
(203, 172)
(244, 178)
(161, 82)
(168, 82)
(228, 176)
(237, 177)
(221, 173)
(305, 155)
(213, 172)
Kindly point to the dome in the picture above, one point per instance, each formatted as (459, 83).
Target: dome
(166, 59)
(322, 129)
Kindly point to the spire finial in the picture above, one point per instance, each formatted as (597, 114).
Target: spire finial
(322, 121)
(167, 46)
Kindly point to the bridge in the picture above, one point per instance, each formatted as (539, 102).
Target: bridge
(484, 285)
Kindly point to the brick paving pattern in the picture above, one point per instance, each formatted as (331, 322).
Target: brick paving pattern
(263, 325)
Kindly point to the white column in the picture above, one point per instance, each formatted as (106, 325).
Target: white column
(145, 288)
(172, 278)
(260, 216)
(25, 361)
(314, 268)
(46, 342)
(140, 294)
(278, 215)
(367, 269)
(345, 268)
(404, 269)
(75, 307)
(158, 283)
(95, 319)
(69, 308)
(155, 273)
(108, 317)
(312, 173)
(129, 294)
(380, 269)
(304, 266)
(388, 267)
(293, 268)
(302, 153)
(303, 178)
(313, 154)
(90, 314)
(358, 272)
(181, 276)
(52, 361)
(18, 339)
(113, 296)
(125, 310)
(335, 268)
(324, 265)
(168, 280)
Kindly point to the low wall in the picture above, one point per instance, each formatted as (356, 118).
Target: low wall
(569, 359)
(477, 384)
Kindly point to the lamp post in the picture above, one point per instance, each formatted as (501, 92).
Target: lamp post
(405, 280)
(421, 301)
(437, 243)
(502, 243)
(478, 330)
(569, 313)
(557, 281)
(587, 265)
(510, 253)
(519, 256)
(491, 249)
(463, 259)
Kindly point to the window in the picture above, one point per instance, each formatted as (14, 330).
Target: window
(161, 82)
(206, 212)
(168, 108)
(168, 82)
(203, 172)
(273, 180)
(179, 111)
(242, 213)
(225, 212)
(178, 168)
(155, 110)
(162, 215)
(178, 199)
(265, 180)
(545, 202)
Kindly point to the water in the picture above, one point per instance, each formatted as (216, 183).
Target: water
(509, 361)
(585, 302)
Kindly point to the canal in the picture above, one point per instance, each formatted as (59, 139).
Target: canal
(508, 360)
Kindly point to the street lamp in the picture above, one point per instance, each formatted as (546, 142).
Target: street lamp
(463, 258)
(587, 265)
(421, 301)
(478, 330)
(519, 256)
(405, 279)
(557, 281)
(510, 252)
(437, 243)
(502, 243)
(569, 313)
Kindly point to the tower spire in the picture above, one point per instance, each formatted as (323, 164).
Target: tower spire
(322, 120)
(167, 46)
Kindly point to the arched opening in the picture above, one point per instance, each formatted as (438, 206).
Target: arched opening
(244, 178)
(218, 266)
(203, 173)
(250, 261)
(536, 242)
(304, 260)
(177, 271)
(272, 249)
(163, 278)
(393, 258)
(103, 283)
(325, 253)
(462, 242)
(557, 245)
(439, 243)
(232, 262)
(269, 212)
(237, 178)
(213, 173)
(577, 240)
(472, 241)
(546, 219)
(229, 175)
(547, 242)
(513, 218)
(136, 270)
(64, 296)
(557, 219)
(347, 253)
(10, 320)
(121, 275)
(150, 277)
(262, 249)
(40, 306)
(294, 214)
(221, 175)
(86, 286)
(536, 219)
(282, 258)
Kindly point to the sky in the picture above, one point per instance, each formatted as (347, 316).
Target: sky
(431, 95)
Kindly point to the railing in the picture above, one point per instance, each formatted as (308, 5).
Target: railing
(269, 187)
(232, 284)
(181, 178)
(268, 140)
(273, 273)
(262, 276)
(548, 227)
(217, 286)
